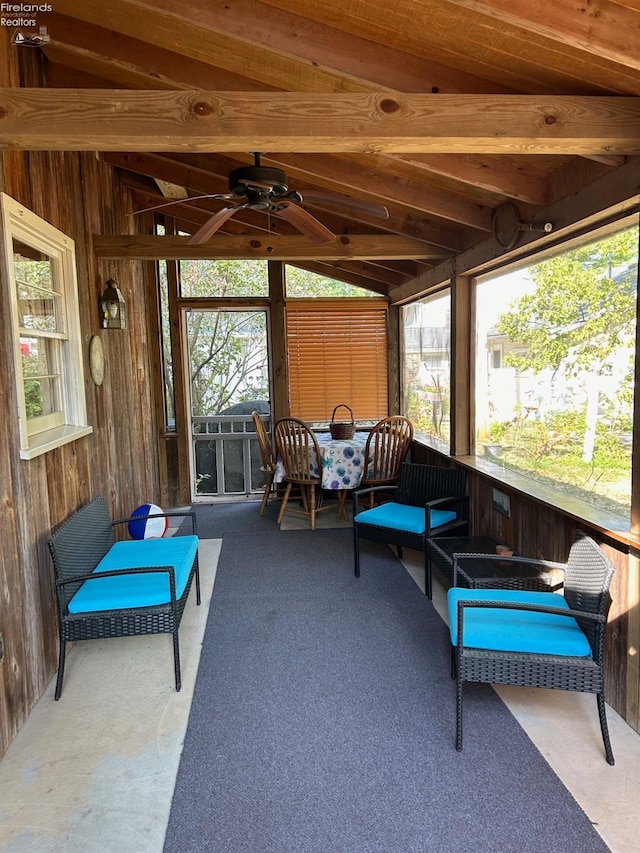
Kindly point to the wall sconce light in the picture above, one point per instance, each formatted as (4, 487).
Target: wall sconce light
(112, 307)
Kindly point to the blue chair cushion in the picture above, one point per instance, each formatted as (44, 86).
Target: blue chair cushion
(409, 519)
(142, 590)
(516, 630)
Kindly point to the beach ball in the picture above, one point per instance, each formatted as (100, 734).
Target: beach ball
(147, 528)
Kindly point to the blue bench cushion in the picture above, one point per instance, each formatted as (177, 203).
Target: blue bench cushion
(142, 590)
(516, 630)
(403, 517)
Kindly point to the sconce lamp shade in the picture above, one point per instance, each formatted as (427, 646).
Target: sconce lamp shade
(112, 307)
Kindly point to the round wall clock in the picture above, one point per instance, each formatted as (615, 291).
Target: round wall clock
(96, 359)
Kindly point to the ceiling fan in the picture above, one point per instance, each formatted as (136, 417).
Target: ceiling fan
(266, 188)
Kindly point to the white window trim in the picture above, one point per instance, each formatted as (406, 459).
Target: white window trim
(22, 224)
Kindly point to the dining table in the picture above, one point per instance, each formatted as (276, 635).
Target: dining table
(341, 465)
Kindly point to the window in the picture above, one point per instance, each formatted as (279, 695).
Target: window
(426, 366)
(337, 354)
(219, 279)
(558, 404)
(46, 331)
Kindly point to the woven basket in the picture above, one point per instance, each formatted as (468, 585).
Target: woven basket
(342, 429)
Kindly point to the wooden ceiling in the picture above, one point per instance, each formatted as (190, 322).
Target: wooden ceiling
(440, 195)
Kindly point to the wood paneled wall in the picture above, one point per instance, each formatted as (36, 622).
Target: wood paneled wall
(81, 196)
(536, 529)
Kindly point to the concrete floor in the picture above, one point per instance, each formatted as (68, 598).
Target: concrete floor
(94, 772)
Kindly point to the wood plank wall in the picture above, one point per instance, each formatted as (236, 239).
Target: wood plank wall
(538, 530)
(81, 196)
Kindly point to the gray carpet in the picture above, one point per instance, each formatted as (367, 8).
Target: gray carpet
(216, 520)
(324, 714)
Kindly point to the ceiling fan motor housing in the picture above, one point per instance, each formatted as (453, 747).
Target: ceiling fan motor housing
(261, 177)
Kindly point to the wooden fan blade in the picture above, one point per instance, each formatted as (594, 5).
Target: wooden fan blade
(305, 223)
(211, 225)
(359, 205)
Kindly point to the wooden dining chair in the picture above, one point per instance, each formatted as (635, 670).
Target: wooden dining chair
(298, 449)
(268, 457)
(385, 451)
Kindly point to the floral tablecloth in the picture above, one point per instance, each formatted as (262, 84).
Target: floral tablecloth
(342, 461)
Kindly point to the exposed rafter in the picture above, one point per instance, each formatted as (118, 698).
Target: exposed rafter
(275, 248)
(94, 119)
(441, 111)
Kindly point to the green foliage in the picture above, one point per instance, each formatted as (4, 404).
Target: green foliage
(552, 451)
(429, 416)
(33, 398)
(498, 430)
(223, 278)
(227, 358)
(580, 319)
(302, 283)
(582, 310)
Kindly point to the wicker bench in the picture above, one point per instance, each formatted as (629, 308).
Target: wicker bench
(128, 588)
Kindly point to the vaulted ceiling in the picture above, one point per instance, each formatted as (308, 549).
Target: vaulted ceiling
(443, 198)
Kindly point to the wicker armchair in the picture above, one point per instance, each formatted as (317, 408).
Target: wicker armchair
(536, 639)
(428, 501)
(385, 451)
(268, 457)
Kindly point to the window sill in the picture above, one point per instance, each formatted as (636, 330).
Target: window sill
(613, 526)
(49, 440)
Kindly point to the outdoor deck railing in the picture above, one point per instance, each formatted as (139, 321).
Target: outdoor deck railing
(226, 457)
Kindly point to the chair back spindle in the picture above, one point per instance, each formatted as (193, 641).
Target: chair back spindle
(267, 454)
(297, 445)
(298, 448)
(386, 449)
(264, 443)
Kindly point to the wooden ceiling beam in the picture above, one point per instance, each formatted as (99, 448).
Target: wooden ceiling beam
(374, 65)
(272, 247)
(284, 50)
(603, 28)
(197, 179)
(370, 271)
(175, 33)
(500, 175)
(134, 63)
(486, 46)
(107, 120)
(137, 64)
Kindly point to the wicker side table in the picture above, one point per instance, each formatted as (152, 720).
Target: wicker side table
(479, 566)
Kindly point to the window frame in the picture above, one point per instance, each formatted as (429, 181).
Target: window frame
(40, 435)
(520, 480)
(429, 439)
